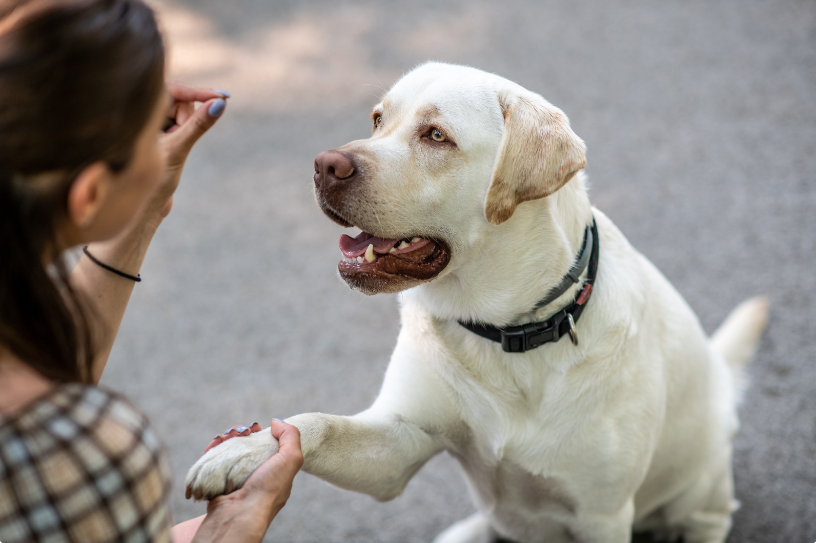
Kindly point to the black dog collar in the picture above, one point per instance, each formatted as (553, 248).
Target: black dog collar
(518, 339)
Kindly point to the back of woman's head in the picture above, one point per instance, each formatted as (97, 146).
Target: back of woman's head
(78, 82)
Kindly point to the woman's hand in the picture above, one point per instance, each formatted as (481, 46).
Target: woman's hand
(184, 127)
(245, 515)
(271, 483)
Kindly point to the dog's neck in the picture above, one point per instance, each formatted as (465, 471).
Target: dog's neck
(513, 266)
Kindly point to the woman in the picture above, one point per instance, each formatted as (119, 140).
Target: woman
(91, 150)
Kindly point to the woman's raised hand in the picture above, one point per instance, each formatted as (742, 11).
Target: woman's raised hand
(185, 125)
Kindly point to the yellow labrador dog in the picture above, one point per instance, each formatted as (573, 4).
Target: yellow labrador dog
(573, 384)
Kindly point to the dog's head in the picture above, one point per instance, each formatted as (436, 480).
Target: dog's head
(452, 153)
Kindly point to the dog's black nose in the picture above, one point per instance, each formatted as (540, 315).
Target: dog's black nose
(332, 167)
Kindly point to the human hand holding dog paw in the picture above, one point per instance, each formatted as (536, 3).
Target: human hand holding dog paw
(184, 126)
(228, 462)
(261, 466)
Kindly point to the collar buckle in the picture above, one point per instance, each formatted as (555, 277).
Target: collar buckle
(525, 337)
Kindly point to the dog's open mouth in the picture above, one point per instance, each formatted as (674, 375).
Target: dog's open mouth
(378, 264)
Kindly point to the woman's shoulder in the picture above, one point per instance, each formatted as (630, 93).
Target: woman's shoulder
(91, 419)
(83, 460)
(81, 403)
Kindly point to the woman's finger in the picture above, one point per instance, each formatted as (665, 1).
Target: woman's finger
(184, 110)
(214, 443)
(284, 432)
(275, 476)
(181, 139)
(235, 431)
(288, 437)
(182, 92)
(177, 114)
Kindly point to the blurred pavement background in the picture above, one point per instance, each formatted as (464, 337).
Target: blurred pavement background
(700, 121)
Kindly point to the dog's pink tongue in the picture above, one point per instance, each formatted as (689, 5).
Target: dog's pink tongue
(353, 247)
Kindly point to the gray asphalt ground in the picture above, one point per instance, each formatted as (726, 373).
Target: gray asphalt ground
(700, 122)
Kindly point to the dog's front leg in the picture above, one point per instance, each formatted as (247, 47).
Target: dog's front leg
(374, 453)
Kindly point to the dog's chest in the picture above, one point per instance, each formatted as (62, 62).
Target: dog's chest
(511, 484)
(523, 506)
(527, 439)
(518, 465)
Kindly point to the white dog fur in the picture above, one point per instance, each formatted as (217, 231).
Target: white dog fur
(632, 428)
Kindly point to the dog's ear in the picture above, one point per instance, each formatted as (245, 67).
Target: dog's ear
(537, 155)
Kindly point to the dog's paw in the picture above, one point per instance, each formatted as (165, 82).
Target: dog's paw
(226, 467)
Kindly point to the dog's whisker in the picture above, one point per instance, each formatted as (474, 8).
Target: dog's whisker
(373, 85)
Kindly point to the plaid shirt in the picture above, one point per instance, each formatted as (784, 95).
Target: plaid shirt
(82, 465)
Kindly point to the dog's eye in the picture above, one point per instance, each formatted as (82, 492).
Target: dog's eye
(377, 121)
(436, 135)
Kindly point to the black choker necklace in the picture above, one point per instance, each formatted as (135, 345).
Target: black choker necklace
(518, 339)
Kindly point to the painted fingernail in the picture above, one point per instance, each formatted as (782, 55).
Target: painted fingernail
(241, 429)
(217, 108)
(225, 93)
(216, 437)
(254, 423)
(278, 420)
(228, 431)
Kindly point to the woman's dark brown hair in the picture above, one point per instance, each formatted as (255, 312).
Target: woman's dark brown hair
(78, 81)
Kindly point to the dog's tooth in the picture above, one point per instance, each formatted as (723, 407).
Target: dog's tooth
(392, 250)
(359, 260)
(414, 240)
(403, 245)
(369, 254)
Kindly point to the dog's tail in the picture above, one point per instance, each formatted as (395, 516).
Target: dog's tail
(737, 338)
